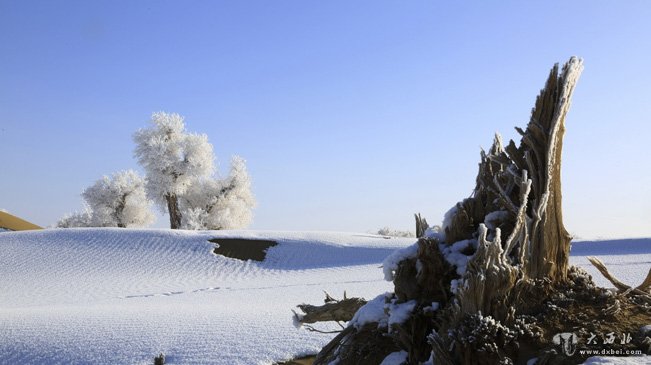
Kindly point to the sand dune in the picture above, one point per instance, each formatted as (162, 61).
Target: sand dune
(13, 223)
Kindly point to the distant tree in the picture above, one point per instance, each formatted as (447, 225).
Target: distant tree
(386, 231)
(220, 204)
(173, 159)
(119, 201)
(76, 219)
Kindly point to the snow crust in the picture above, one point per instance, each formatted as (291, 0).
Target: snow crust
(122, 296)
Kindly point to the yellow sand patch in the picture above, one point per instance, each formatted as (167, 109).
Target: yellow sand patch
(14, 223)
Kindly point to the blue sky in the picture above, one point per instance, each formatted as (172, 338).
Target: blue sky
(351, 115)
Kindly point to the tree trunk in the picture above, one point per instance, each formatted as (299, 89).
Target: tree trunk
(496, 286)
(118, 211)
(338, 311)
(550, 245)
(173, 210)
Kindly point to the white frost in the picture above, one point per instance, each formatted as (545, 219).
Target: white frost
(171, 157)
(119, 201)
(211, 203)
(493, 217)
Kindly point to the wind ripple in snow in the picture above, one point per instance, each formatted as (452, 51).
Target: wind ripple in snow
(122, 296)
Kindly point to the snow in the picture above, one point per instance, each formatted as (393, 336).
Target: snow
(453, 254)
(122, 296)
(371, 312)
(118, 296)
(400, 312)
(432, 308)
(612, 360)
(447, 218)
(395, 358)
(383, 312)
(390, 264)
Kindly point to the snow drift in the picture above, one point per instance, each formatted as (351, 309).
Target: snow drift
(123, 296)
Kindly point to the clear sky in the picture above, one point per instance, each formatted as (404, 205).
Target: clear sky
(352, 115)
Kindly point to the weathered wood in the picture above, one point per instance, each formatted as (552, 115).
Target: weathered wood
(421, 225)
(642, 289)
(543, 143)
(646, 284)
(367, 345)
(489, 277)
(173, 210)
(480, 292)
(338, 311)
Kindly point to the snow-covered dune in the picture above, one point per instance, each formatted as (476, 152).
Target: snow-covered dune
(122, 296)
(101, 296)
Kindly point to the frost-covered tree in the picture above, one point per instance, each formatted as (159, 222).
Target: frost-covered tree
(76, 219)
(116, 201)
(119, 201)
(220, 204)
(173, 159)
(389, 232)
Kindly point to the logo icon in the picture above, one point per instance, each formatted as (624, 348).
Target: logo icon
(567, 342)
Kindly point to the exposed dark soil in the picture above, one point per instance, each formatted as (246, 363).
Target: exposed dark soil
(595, 315)
(305, 360)
(242, 248)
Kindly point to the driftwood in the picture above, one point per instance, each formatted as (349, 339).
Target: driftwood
(333, 310)
(642, 289)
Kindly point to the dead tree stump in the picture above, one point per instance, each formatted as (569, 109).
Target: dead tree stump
(493, 285)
